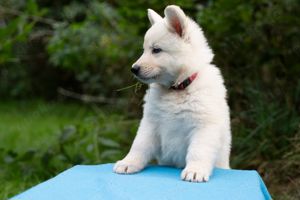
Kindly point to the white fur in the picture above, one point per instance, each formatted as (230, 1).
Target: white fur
(187, 128)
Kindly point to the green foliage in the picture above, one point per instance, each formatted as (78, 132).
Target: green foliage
(96, 38)
(16, 28)
(17, 31)
(95, 47)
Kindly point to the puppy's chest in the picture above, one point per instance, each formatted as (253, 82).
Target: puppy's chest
(175, 118)
(175, 110)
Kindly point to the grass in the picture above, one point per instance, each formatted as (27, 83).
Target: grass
(29, 126)
(40, 139)
(26, 125)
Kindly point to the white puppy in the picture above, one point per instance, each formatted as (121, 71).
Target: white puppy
(186, 117)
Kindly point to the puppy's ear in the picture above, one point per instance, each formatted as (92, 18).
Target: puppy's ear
(176, 19)
(153, 16)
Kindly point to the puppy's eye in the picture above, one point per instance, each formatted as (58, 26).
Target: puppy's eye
(156, 50)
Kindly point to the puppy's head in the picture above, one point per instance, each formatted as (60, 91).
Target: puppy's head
(168, 47)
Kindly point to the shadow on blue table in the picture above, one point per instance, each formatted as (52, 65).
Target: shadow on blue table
(99, 182)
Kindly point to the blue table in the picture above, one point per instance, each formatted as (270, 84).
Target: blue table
(156, 183)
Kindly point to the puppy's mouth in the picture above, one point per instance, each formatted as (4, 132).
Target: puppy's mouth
(147, 78)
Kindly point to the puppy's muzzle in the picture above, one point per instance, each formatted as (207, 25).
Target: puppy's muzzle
(135, 69)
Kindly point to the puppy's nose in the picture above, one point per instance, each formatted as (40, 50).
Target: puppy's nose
(135, 69)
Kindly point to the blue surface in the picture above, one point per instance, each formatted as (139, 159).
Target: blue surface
(99, 182)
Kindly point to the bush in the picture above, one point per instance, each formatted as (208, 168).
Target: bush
(86, 47)
(94, 48)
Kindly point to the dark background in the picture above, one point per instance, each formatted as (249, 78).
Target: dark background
(67, 96)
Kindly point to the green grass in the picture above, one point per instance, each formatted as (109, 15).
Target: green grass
(26, 126)
(40, 139)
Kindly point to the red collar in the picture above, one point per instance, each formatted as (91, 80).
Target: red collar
(185, 83)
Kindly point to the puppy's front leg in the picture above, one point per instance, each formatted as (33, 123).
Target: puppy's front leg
(201, 154)
(142, 150)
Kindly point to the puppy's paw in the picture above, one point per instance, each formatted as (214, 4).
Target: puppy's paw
(126, 167)
(195, 174)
